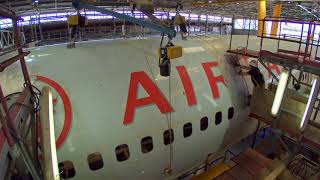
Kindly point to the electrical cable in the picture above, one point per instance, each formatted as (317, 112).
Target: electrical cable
(35, 109)
(33, 87)
(31, 109)
(168, 118)
(170, 126)
(36, 93)
(36, 124)
(7, 97)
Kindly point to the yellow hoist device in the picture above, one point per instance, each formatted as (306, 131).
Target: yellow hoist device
(167, 53)
(178, 20)
(181, 22)
(76, 20)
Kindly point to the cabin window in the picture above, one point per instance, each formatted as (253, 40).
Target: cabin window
(203, 123)
(218, 118)
(146, 144)
(187, 130)
(122, 152)
(66, 169)
(230, 113)
(95, 161)
(168, 137)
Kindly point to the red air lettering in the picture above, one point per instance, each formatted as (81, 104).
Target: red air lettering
(155, 96)
(273, 67)
(187, 85)
(213, 80)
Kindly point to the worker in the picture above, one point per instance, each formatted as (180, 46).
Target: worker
(73, 31)
(256, 76)
(253, 70)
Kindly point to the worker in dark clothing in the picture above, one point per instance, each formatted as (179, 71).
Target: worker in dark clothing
(253, 70)
(73, 31)
(256, 76)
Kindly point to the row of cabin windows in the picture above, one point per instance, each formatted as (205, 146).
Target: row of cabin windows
(95, 160)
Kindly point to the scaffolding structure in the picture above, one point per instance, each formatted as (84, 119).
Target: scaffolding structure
(7, 39)
(304, 59)
(35, 29)
(19, 115)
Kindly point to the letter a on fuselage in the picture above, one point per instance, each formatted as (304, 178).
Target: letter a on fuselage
(155, 96)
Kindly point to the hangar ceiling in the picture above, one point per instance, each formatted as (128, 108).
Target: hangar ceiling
(302, 9)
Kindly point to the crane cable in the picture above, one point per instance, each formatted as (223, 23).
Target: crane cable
(170, 128)
(168, 117)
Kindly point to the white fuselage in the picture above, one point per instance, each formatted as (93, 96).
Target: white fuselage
(96, 77)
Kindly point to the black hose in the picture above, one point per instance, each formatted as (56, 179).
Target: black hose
(8, 96)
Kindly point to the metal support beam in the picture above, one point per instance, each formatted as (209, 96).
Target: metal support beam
(5, 128)
(12, 60)
(189, 23)
(166, 30)
(17, 36)
(295, 79)
(264, 65)
(8, 13)
(206, 28)
(316, 112)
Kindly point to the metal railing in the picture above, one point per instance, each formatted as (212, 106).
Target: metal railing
(310, 40)
(205, 166)
(7, 39)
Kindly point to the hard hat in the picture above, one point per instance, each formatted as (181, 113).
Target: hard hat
(253, 63)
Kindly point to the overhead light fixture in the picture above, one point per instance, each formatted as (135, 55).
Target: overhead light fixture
(48, 141)
(52, 139)
(280, 93)
(310, 103)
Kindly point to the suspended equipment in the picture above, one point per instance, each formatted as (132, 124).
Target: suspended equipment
(76, 20)
(159, 27)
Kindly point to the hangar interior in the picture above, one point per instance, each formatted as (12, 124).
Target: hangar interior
(271, 129)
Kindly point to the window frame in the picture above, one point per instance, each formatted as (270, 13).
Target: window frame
(204, 119)
(189, 124)
(125, 154)
(164, 136)
(230, 108)
(73, 170)
(216, 120)
(142, 147)
(100, 163)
